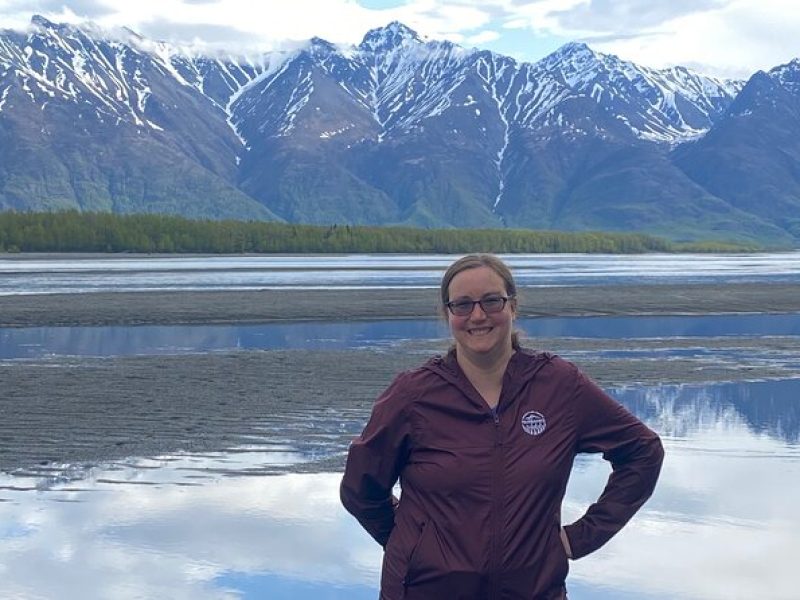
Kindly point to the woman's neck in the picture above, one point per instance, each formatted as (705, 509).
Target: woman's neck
(484, 369)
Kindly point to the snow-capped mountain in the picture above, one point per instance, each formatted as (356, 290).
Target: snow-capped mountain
(751, 158)
(396, 130)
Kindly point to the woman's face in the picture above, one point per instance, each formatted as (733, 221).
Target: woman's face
(480, 334)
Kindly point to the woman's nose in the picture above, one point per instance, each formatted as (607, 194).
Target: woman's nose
(481, 313)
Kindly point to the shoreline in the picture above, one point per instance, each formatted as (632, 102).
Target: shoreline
(265, 306)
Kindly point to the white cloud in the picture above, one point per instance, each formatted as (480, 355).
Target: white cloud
(722, 36)
(483, 37)
(737, 39)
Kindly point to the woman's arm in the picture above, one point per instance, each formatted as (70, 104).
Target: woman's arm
(375, 461)
(635, 453)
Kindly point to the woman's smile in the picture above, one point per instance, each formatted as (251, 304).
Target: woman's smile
(480, 331)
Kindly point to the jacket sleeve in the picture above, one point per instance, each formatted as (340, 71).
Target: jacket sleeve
(635, 453)
(375, 461)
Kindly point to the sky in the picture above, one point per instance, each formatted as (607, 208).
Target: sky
(725, 38)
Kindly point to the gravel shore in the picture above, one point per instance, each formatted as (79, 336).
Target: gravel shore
(172, 308)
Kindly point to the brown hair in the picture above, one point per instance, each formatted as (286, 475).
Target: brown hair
(473, 261)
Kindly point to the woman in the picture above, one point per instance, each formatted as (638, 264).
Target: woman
(482, 441)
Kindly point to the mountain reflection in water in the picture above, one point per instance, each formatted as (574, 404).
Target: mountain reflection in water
(37, 342)
(200, 527)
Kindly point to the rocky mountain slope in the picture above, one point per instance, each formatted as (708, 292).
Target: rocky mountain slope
(397, 130)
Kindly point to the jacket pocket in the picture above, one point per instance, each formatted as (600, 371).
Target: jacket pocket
(413, 557)
(423, 562)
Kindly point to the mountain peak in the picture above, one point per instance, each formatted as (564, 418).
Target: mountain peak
(390, 36)
(319, 42)
(788, 76)
(40, 21)
(575, 61)
(321, 48)
(793, 66)
(573, 49)
(87, 28)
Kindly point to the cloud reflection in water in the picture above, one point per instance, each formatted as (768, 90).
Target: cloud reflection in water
(155, 533)
(722, 523)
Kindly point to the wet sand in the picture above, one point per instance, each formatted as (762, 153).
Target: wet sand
(162, 308)
(84, 411)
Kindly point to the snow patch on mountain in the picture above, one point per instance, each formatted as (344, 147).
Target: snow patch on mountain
(788, 76)
(3, 98)
(399, 78)
(390, 37)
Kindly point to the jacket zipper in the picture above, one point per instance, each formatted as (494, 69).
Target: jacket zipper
(497, 503)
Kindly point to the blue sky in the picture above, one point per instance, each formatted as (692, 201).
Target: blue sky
(524, 43)
(728, 38)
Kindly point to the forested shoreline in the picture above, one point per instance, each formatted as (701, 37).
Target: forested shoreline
(74, 231)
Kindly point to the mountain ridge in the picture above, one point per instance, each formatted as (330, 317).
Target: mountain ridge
(396, 130)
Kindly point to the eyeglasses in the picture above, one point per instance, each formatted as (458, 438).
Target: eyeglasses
(489, 305)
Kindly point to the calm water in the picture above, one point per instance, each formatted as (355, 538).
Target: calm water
(722, 524)
(37, 342)
(76, 275)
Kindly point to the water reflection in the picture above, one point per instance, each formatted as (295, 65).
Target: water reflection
(768, 408)
(153, 538)
(36, 342)
(199, 527)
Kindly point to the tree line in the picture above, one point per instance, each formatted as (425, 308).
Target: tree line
(74, 231)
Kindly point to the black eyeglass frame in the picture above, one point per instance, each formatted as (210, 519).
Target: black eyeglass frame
(504, 300)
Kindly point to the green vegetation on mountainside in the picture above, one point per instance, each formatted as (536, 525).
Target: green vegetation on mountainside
(73, 231)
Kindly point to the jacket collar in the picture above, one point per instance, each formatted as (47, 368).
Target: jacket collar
(521, 368)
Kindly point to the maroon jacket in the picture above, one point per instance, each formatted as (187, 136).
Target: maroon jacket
(479, 515)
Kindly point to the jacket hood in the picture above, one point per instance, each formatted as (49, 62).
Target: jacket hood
(522, 367)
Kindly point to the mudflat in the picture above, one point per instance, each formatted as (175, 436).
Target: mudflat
(62, 412)
(222, 307)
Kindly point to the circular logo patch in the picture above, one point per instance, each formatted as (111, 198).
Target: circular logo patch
(533, 423)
